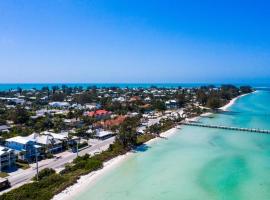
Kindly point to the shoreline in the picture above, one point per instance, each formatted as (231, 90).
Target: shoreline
(223, 108)
(232, 101)
(87, 180)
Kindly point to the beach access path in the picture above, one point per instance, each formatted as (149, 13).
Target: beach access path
(21, 177)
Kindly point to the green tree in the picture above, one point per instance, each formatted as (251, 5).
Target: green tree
(127, 132)
(159, 105)
(214, 102)
(19, 115)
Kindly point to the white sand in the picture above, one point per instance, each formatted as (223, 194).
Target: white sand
(85, 181)
(223, 108)
(227, 106)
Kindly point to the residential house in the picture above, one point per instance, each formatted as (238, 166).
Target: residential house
(26, 148)
(102, 134)
(16, 101)
(111, 122)
(7, 157)
(48, 143)
(141, 130)
(99, 114)
(65, 138)
(119, 99)
(73, 122)
(92, 106)
(4, 128)
(59, 104)
(135, 98)
(171, 104)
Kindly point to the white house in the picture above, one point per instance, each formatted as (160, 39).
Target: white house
(57, 104)
(48, 142)
(171, 104)
(102, 135)
(4, 128)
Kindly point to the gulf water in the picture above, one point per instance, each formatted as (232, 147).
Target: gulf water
(198, 163)
(28, 86)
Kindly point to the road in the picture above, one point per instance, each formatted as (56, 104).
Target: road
(21, 177)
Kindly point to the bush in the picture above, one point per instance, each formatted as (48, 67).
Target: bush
(81, 145)
(42, 190)
(44, 173)
(22, 161)
(144, 138)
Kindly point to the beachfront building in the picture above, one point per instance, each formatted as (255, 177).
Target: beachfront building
(7, 158)
(25, 148)
(141, 130)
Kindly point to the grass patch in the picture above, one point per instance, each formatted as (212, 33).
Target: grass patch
(144, 138)
(22, 165)
(3, 174)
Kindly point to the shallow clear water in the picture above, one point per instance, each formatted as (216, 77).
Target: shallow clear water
(198, 163)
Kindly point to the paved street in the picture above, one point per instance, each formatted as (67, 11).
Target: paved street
(20, 177)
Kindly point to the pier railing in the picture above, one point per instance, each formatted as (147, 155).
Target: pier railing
(254, 130)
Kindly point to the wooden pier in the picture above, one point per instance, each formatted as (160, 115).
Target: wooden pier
(254, 130)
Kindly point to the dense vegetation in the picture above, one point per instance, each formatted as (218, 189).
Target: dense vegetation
(214, 98)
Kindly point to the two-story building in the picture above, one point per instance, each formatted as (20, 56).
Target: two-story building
(48, 143)
(25, 148)
(7, 158)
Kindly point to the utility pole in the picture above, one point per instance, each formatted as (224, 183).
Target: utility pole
(36, 162)
(77, 146)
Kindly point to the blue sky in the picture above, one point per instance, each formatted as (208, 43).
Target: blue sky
(134, 41)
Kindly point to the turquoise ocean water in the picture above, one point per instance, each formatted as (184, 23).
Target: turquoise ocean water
(198, 163)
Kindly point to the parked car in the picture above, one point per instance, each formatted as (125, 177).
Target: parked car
(4, 183)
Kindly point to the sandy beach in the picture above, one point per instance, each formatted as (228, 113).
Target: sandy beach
(228, 105)
(85, 181)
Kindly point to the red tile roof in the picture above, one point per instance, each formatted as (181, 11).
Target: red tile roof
(98, 113)
(112, 122)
